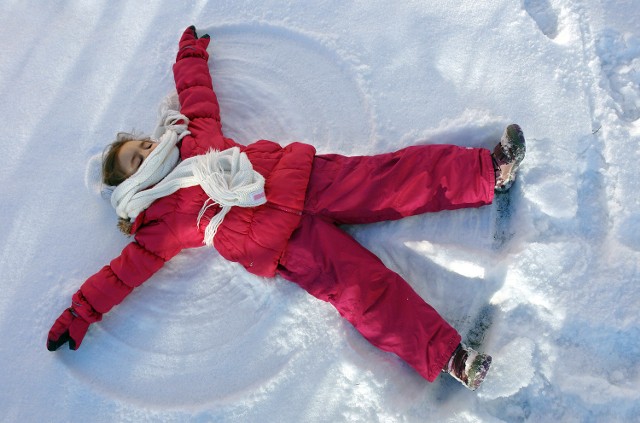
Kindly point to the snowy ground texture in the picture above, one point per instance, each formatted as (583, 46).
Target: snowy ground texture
(202, 341)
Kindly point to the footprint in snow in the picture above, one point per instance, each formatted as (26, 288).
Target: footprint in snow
(620, 61)
(544, 16)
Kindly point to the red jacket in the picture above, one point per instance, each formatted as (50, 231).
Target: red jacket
(254, 237)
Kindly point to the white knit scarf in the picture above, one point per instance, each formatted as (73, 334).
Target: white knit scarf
(226, 176)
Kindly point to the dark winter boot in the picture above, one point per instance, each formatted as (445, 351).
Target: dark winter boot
(507, 156)
(468, 366)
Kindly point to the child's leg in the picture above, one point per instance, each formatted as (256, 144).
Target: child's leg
(333, 267)
(418, 179)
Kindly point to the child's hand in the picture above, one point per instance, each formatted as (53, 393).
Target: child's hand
(68, 327)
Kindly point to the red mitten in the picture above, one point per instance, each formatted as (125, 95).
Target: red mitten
(192, 46)
(68, 327)
(72, 324)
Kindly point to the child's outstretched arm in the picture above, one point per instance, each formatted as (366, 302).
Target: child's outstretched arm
(198, 100)
(154, 245)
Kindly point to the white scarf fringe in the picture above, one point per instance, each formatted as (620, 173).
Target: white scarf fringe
(229, 180)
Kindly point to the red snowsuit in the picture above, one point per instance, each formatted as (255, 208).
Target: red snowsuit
(295, 234)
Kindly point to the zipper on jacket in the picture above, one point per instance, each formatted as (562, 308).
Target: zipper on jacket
(284, 209)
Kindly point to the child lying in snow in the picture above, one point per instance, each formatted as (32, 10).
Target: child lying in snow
(277, 210)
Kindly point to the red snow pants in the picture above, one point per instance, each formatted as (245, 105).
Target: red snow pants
(332, 266)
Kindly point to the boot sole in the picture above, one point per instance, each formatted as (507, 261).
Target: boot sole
(514, 142)
(478, 371)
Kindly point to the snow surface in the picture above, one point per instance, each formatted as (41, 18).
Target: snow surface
(204, 341)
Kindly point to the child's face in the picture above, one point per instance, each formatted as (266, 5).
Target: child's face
(132, 154)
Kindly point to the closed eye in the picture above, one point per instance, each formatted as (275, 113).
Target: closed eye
(146, 145)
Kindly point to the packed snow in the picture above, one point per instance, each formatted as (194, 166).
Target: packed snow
(547, 284)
